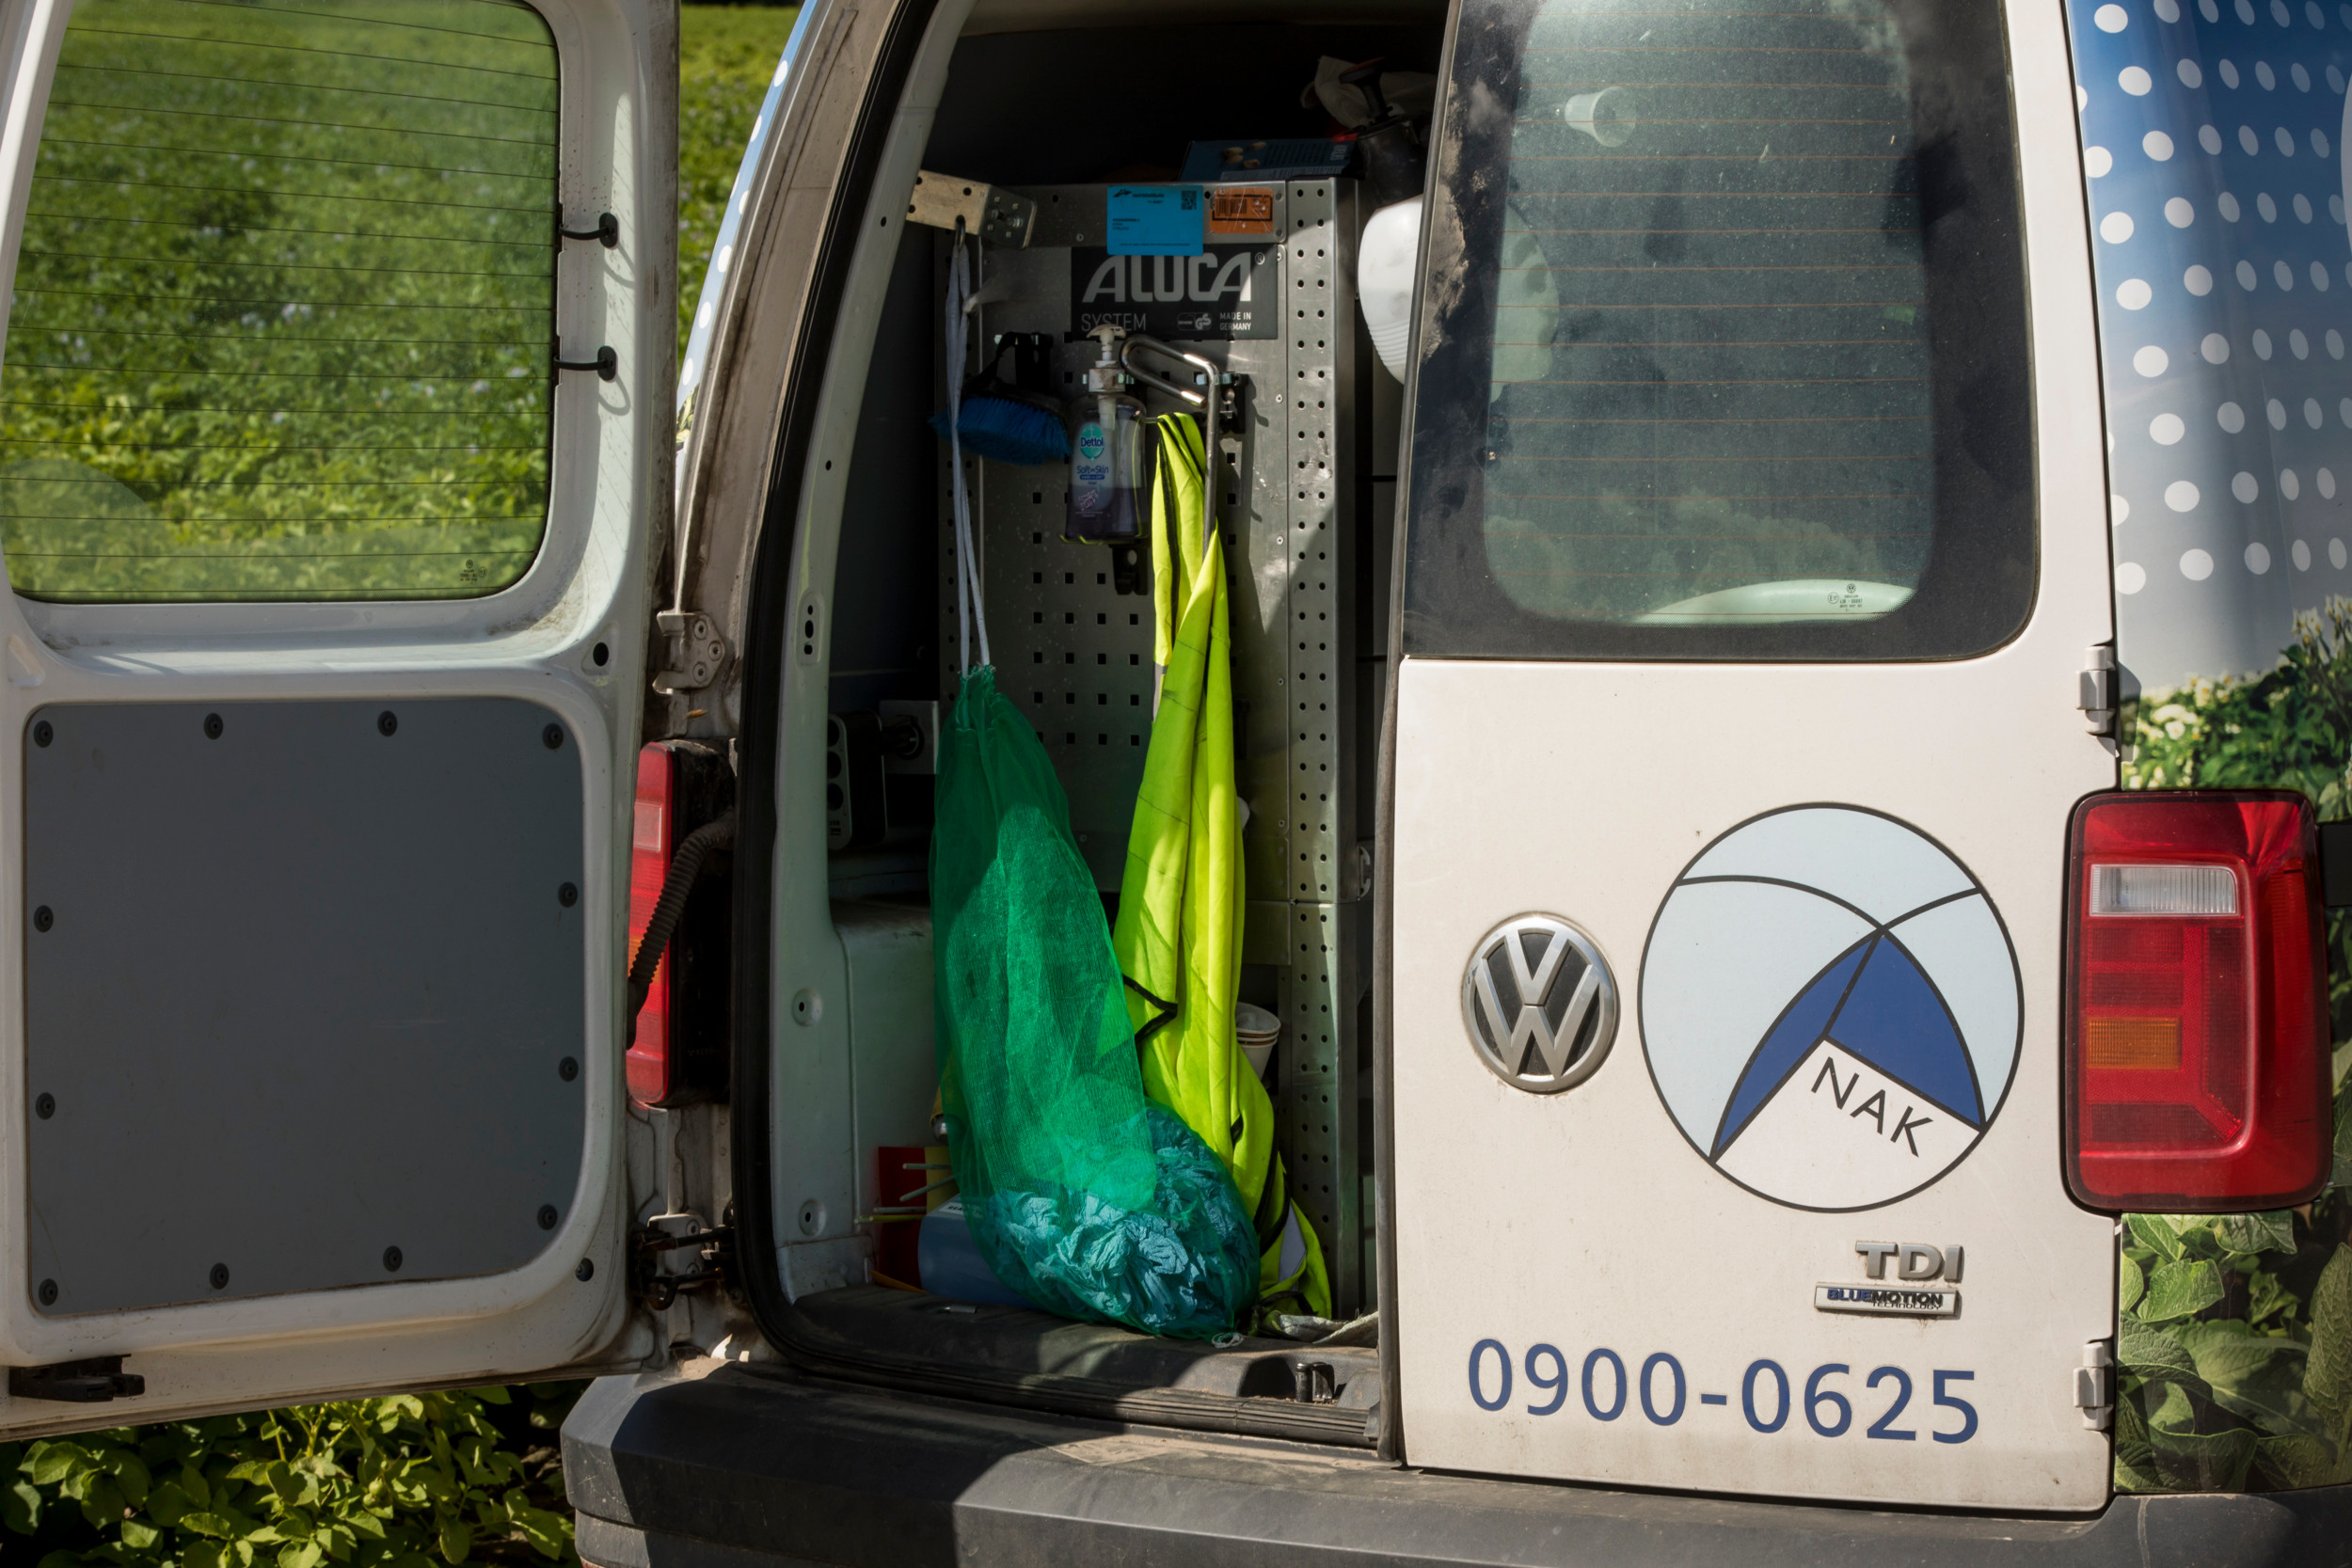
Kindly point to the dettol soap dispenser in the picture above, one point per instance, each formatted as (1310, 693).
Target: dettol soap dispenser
(1106, 452)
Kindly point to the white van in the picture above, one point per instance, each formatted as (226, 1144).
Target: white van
(1782, 750)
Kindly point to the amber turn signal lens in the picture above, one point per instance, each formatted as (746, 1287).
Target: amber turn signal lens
(2132, 1044)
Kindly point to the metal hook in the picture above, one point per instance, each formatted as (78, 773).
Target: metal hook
(607, 364)
(607, 233)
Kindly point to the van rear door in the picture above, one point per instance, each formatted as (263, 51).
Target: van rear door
(1754, 547)
(329, 471)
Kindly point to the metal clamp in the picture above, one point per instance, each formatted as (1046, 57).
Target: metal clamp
(1211, 377)
(998, 216)
(607, 233)
(607, 364)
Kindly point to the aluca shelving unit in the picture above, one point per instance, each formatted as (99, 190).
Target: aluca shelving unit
(1075, 652)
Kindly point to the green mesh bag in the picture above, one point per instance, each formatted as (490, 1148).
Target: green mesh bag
(1082, 1195)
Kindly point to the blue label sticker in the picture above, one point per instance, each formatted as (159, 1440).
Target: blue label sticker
(1155, 220)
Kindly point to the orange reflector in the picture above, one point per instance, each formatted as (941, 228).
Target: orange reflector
(2133, 1044)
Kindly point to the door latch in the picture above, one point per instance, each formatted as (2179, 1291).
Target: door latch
(91, 1381)
(2096, 690)
(710, 1261)
(2094, 1385)
(1311, 1383)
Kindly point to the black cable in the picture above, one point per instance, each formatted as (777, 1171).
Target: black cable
(686, 866)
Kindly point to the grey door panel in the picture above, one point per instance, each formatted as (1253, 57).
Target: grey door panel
(338, 940)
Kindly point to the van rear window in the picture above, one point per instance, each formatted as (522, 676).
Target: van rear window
(1730, 361)
(284, 295)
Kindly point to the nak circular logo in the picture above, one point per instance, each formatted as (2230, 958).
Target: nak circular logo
(1830, 1007)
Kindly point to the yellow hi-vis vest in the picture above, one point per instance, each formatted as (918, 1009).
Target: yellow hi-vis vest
(1181, 901)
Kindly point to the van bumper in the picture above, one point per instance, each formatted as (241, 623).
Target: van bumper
(719, 1465)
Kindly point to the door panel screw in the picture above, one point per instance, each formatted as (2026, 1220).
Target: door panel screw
(220, 1276)
(386, 721)
(567, 896)
(567, 1070)
(48, 1293)
(45, 1107)
(43, 919)
(392, 1259)
(586, 1271)
(547, 1216)
(213, 727)
(43, 734)
(553, 735)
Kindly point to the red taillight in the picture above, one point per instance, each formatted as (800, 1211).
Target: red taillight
(652, 841)
(2197, 1032)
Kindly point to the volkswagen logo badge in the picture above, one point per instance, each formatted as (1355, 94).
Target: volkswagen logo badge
(1540, 1004)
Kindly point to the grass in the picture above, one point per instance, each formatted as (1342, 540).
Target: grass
(726, 57)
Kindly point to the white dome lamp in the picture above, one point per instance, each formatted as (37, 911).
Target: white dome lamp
(1391, 240)
(1385, 258)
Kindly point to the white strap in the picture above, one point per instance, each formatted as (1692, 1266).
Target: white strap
(970, 615)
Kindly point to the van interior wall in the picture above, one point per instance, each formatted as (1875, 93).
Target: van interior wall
(1030, 109)
(1068, 107)
(886, 603)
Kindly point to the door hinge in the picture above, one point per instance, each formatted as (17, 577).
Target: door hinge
(677, 1253)
(2094, 1385)
(93, 1381)
(2096, 690)
(696, 654)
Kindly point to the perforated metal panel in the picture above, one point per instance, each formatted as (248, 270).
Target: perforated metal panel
(1312, 559)
(344, 940)
(1076, 654)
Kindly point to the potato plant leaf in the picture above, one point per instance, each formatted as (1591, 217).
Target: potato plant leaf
(2181, 1290)
(2327, 1376)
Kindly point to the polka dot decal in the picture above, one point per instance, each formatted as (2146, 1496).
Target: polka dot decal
(2209, 134)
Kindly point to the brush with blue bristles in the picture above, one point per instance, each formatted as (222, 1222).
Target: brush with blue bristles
(1009, 422)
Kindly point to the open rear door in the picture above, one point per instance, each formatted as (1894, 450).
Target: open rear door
(332, 411)
(1756, 548)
